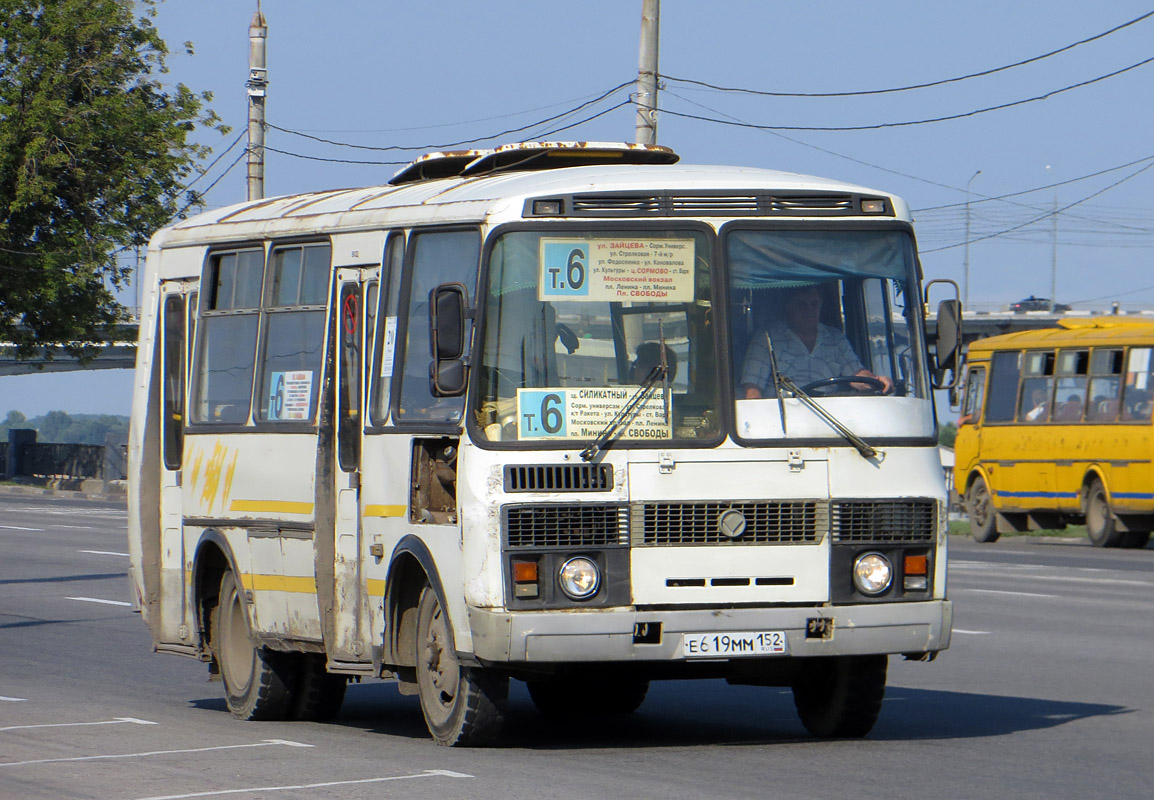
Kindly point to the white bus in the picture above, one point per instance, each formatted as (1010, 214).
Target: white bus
(492, 422)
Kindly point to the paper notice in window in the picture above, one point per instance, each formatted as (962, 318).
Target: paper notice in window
(584, 413)
(616, 270)
(290, 395)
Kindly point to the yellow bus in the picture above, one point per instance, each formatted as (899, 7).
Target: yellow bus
(1055, 428)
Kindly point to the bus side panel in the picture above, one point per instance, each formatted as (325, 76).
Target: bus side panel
(252, 486)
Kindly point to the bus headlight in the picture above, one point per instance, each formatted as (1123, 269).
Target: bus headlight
(579, 578)
(872, 573)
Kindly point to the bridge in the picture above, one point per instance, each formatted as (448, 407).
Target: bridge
(975, 325)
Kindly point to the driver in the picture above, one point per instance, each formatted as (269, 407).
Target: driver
(806, 350)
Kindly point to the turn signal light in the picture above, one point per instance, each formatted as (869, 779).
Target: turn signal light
(916, 573)
(915, 565)
(525, 579)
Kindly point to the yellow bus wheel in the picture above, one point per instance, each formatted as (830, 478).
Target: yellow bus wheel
(1100, 525)
(980, 509)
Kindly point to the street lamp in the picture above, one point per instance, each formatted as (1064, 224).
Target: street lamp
(966, 258)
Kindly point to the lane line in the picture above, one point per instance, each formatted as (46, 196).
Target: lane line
(1076, 579)
(117, 721)
(429, 773)
(12, 700)
(103, 553)
(264, 743)
(18, 528)
(971, 633)
(98, 600)
(1016, 594)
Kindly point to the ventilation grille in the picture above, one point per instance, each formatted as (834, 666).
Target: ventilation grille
(558, 478)
(885, 521)
(583, 525)
(792, 522)
(718, 205)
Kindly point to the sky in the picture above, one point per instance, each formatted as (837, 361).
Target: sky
(1066, 131)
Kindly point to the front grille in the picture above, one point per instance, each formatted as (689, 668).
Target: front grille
(558, 478)
(787, 522)
(884, 521)
(583, 525)
(760, 204)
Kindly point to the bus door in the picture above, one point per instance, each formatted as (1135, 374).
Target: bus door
(353, 325)
(177, 315)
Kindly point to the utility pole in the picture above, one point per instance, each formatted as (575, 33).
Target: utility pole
(257, 85)
(647, 73)
(1054, 256)
(966, 259)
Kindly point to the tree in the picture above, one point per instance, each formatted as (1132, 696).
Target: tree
(947, 433)
(93, 154)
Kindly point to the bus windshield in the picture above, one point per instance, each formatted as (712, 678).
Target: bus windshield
(576, 320)
(834, 312)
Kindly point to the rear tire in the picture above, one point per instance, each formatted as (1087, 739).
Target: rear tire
(318, 694)
(463, 706)
(1100, 525)
(840, 696)
(258, 682)
(569, 697)
(980, 509)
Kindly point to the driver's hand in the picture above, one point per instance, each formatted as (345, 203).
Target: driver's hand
(887, 384)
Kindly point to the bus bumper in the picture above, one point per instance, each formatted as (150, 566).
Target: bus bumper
(626, 634)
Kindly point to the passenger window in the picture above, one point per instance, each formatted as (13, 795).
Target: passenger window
(226, 347)
(1136, 397)
(1070, 389)
(1004, 369)
(1105, 385)
(1034, 403)
(294, 333)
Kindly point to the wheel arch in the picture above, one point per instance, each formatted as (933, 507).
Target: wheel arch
(1094, 473)
(214, 557)
(412, 568)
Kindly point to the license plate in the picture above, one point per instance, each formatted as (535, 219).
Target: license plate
(727, 645)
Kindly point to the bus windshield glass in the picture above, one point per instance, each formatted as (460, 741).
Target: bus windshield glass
(835, 313)
(576, 320)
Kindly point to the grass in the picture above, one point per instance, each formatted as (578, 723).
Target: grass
(962, 528)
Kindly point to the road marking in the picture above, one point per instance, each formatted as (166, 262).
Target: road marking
(98, 600)
(18, 528)
(971, 633)
(428, 773)
(117, 721)
(12, 700)
(103, 553)
(264, 743)
(1016, 594)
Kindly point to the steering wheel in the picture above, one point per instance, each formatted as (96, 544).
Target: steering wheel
(829, 386)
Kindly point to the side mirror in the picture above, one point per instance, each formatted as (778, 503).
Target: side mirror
(447, 313)
(949, 334)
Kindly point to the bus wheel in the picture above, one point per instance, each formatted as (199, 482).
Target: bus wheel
(573, 697)
(318, 694)
(258, 682)
(1100, 525)
(1135, 540)
(840, 696)
(463, 706)
(980, 509)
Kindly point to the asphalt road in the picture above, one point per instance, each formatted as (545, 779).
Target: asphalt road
(1046, 692)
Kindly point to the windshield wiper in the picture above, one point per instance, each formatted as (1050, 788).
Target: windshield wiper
(859, 444)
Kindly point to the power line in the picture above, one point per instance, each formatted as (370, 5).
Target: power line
(881, 125)
(221, 155)
(445, 145)
(918, 85)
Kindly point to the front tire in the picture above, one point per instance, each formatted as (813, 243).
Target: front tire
(1100, 525)
(840, 696)
(1135, 540)
(319, 694)
(258, 682)
(463, 706)
(980, 510)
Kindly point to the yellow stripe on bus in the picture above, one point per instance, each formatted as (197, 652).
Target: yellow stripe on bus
(385, 511)
(271, 506)
(279, 583)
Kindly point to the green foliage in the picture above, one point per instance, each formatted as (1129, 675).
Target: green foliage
(947, 433)
(58, 426)
(94, 150)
